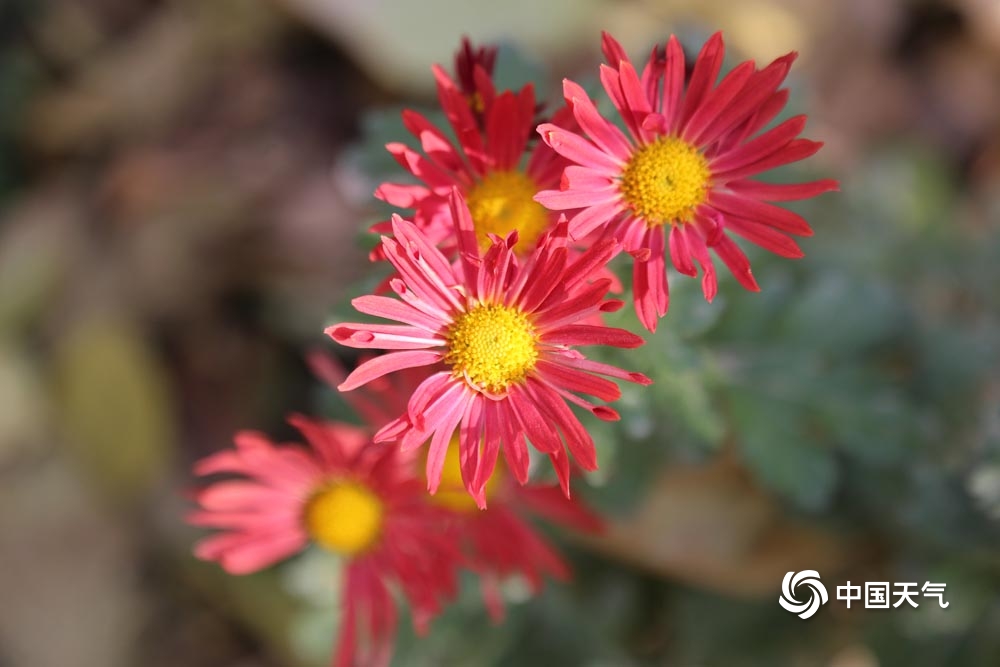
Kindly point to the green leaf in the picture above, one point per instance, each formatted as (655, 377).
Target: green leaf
(780, 450)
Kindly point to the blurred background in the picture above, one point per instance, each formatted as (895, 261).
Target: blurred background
(184, 187)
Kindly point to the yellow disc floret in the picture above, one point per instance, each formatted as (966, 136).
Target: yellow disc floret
(344, 517)
(502, 202)
(451, 494)
(492, 346)
(476, 102)
(665, 181)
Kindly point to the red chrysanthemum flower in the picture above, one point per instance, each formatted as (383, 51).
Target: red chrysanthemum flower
(504, 331)
(499, 541)
(684, 167)
(348, 496)
(493, 131)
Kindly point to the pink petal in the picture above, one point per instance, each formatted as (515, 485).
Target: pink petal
(612, 49)
(515, 451)
(582, 178)
(382, 336)
(709, 284)
(718, 103)
(579, 381)
(757, 91)
(602, 412)
(238, 495)
(565, 310)
(432, 141)
(764, 236)
(436, 266)
(465, 231)
(795, 150)
(250, 555)
(419, 280)
(391, 309)
(761, 212)
(593, 260)
(574, 147)
(673, 82)
(388, 363)
(763, 115)
(604, 369)
(758, 148)
(594, 217)
(635, 97)
(586, 334)
(602, 132)
(649, 281)
(680, 255)
(560, 462)
(578, 441)
(444, 427)
(430, 413)
(505, 138)
(543, 280)
(576, 196)
(419, 166)
(401, 195)
(783, 191)
(472, 457)
(611, 80)
(541, 433)
(703, 76)
(737, 261)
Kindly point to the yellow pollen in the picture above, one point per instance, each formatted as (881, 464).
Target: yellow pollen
(452, 493)
(492, 346)
(344, 517)
(665, 181)
(502, 202)
(476, 102)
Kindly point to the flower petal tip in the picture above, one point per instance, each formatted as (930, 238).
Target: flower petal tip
(640, 378)
(604, 413)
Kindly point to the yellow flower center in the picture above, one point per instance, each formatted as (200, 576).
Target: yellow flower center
(452, 494)
(492, 346)
(665, 181)
(501, 203)
(345, 517)
(476, 102)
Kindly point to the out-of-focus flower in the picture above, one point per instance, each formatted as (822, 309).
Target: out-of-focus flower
(499, 541)
(683, 169)
(505, 332)
(488, 166)
(474, 71)
(347, 495)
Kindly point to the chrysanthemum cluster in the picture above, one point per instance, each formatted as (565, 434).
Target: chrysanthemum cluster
(500, 279)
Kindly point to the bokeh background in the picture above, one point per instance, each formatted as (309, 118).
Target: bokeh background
(183, 189)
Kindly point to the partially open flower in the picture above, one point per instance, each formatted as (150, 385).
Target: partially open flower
(346, 495)
(493, 163)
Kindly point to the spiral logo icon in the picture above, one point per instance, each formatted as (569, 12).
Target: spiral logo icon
(817, 593)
